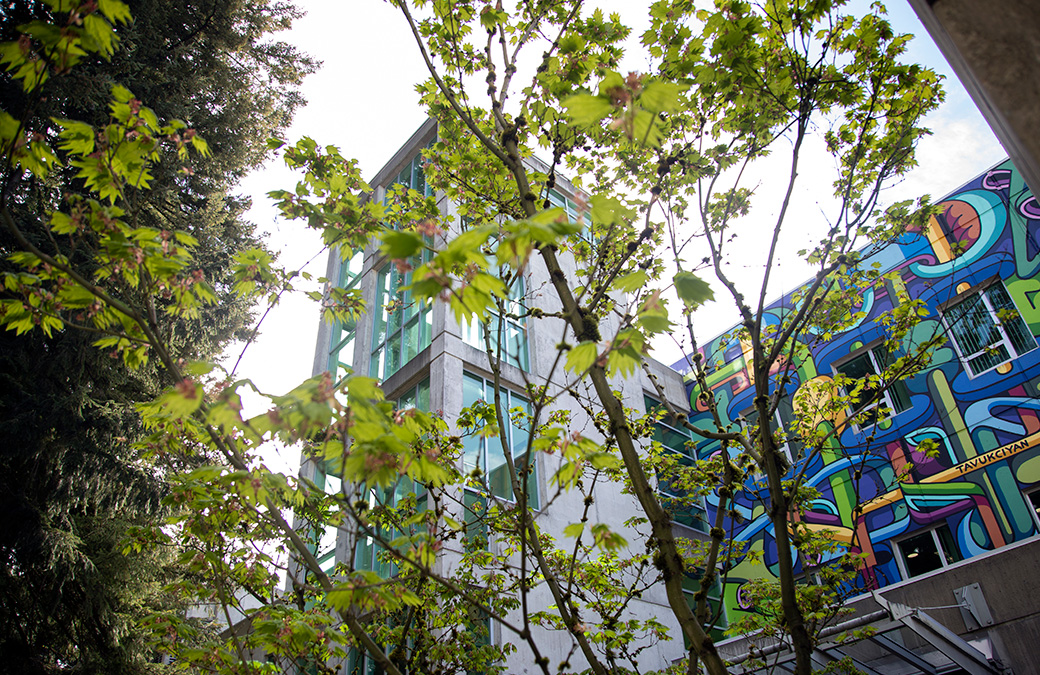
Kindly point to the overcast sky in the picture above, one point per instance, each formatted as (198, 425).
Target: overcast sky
(363, 100)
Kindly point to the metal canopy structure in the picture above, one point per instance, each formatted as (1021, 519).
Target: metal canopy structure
(902, 641)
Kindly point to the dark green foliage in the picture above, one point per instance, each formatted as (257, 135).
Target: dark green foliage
(71, 483)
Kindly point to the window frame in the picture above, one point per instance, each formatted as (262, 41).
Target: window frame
(533, 485)
(411, 397)
(982, 292)
(779, 431)
(901, 555)
(660, 428)
(1034, 507)
(884, 396)
(715, 600)
(473, 330)
(560, 199)
(342, 336)
(556, 198)
(411, 314)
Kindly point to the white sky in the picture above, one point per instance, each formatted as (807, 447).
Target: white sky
(363, 101)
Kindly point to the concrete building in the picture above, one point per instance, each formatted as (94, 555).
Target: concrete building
(958, 531)
(995, 51)
(425, 358)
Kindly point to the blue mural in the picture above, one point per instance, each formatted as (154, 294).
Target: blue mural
(977, 267)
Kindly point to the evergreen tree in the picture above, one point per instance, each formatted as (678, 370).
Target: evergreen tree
(71, 482)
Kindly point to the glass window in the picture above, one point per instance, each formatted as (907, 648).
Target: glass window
(686, 509)
(783, 419)
(479, 626)
(557, 198)
(511, 327)
(413, 176)
(928, 551)
(341, 352)
(1033, 499)
(873, 398)
(987, 330)
(570, 207)
(360, 663)
(332, 485)
(416, 397)
(403, 325)
(486, 453)
(717, 622)
(369, 553)
(475, 536)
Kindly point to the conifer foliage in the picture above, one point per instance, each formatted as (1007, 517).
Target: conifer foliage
(71, 483)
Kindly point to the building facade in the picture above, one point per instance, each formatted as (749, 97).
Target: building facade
(921, 520)
(425, 358)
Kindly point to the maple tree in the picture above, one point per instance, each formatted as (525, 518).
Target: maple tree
(660, 155)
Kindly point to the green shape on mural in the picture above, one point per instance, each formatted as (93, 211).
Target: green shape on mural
(1029, 471)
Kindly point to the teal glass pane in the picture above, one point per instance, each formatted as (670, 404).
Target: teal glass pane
(376, 365)
(395, 317)
(382, 295)
(363, 554)
(684, 508)
(512, 334)
(671, 438)
(498, 472)
(419, 176)
(533, 498)
(343, 351)
(472, 389)
(423, 396)
(472, 443)
(327, 544)
(350, 270)
(407, 400)
(412, 339)
(475, 534)
(516, 346)
(518, 425)
(393, 355)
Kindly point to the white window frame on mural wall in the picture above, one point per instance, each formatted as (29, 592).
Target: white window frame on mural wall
(1032, 498)
(778, 428)
(885, 398)
(901, 555)
(979, 309)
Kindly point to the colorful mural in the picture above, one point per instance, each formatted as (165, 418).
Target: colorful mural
(978, 400)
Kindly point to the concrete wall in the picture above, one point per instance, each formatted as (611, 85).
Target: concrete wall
(995, 50)
(1006, 579)
(446, 360)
